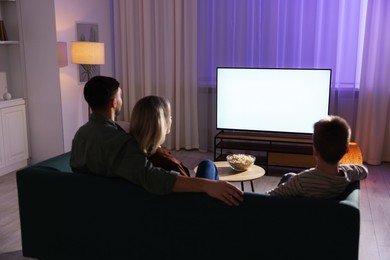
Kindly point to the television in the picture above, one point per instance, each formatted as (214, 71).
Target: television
(281, 100)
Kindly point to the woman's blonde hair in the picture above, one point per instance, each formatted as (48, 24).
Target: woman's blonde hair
(149, 122)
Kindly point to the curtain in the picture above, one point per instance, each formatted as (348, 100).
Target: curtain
(279, 33)
(155, 54)
(373, 121)
(172, 48)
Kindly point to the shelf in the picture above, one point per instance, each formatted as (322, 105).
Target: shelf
(9, 42)
(260, 160)
(270, 147)
(281, 150)
(268, 137)
(291, 160)
(11, 51)
(12, 102)
(243, 146)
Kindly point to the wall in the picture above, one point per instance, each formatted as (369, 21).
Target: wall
(68, 13)
(42, 82)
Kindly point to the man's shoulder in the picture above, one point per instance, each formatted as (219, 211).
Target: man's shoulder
(99, 128)
(101, 137)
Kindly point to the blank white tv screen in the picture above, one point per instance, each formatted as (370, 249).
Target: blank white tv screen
(272, 100)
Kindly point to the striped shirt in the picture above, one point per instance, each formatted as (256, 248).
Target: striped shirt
(313, 183)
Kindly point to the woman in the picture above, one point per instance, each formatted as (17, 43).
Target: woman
(150, 122)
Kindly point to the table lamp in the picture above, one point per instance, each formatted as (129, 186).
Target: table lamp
(353, 156)
(87, 54)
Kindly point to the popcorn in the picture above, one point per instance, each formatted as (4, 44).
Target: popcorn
(240, 162)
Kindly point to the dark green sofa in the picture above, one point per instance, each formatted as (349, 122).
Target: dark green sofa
(64, 215)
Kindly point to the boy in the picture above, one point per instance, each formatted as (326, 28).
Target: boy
(328, 179)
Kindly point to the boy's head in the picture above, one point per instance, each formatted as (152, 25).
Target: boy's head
(331, 138)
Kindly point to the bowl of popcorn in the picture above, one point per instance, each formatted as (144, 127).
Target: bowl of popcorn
(240, 162)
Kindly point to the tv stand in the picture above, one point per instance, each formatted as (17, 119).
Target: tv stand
(270, 149)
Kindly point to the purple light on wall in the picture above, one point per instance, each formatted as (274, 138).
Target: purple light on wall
(253, 33)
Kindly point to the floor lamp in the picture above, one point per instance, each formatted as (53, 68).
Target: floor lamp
(87, 54)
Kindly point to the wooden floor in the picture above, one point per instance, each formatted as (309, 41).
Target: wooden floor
(375, 210)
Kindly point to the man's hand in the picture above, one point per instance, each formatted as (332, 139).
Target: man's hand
(225, 192)
(221, 190)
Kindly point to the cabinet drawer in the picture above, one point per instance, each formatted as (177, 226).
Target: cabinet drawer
(292, 160)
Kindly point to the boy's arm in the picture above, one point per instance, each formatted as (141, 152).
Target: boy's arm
(292, 187)
(356, 172)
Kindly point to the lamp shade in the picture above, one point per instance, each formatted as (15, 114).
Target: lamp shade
(87, 53)
(353, 156)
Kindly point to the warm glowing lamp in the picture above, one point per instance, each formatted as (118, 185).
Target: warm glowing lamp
(353, 156)
(87, 54)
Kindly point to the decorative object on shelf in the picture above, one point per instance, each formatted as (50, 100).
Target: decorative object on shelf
(3, 32)
(62, 54)
(87, 51)
(353, 156)
(7, 96)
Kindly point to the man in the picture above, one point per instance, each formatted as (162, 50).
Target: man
(101, 147)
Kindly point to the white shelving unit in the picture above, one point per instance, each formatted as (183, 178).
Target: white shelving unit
(14, 148)
(29, 60)
(13, 136)
(11, 63)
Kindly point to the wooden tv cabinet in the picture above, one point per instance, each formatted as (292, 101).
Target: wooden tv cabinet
(270, 149)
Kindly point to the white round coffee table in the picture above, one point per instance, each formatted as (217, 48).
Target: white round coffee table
(226, 173)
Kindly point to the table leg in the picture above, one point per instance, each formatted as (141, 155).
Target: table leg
(253, 188)
(242, 186)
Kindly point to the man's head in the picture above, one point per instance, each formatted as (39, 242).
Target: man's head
(331, 138)
(103, 93)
